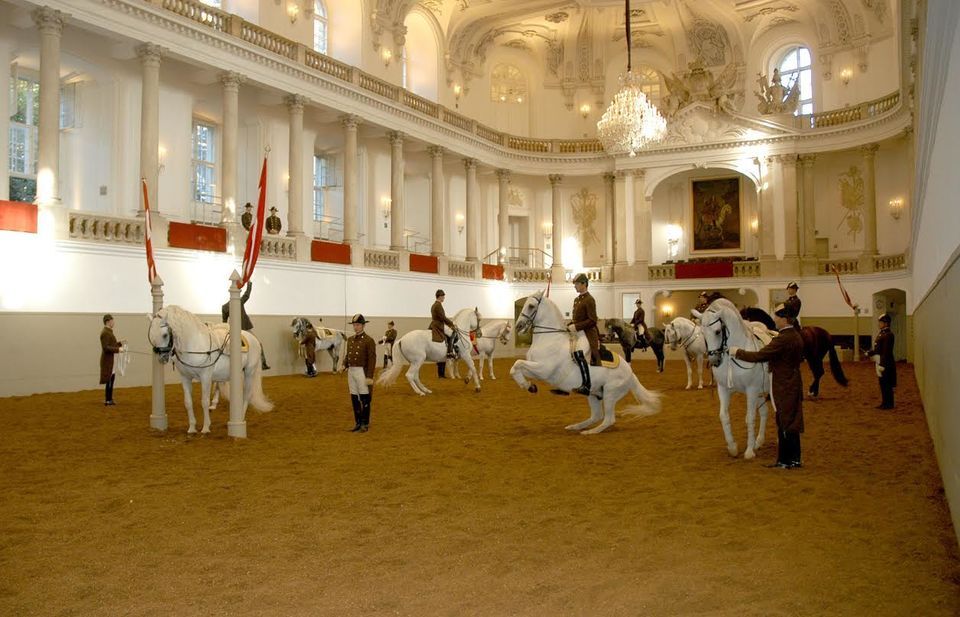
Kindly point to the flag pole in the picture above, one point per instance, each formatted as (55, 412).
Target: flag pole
(158, 405)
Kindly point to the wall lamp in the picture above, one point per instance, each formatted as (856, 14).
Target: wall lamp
(293, 11)
(161, 159)
(387, 56)
(385, 205)
(585, 110)
(845, 75)
(896, 208)
(460, 223)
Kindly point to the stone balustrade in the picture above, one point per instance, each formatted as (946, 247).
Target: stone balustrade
(662, 272)
(530, 275)
(378, 86)
(326, 64)
(384, 260)
(278, 248)
(462, 269)
(262, 37)
(886, 263)
(594, 275)
(842, 266)
(105, 228)
(746, 269)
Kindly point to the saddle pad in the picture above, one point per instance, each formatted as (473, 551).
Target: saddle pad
(325, 332)
(244, 346)
(608, 359)
(760, 331)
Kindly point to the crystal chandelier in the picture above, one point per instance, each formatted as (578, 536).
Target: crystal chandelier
(631, 122)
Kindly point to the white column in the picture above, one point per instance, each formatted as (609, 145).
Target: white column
(350, 181)
(50, 24)
(558, 273)
(397, 218)
(437, 203)
(630, 213)
(766, 222)
(503, 176)
(869, 153)
(228, 173)
(643, 231)
(808, 212)
(5, 111)
(150, 55)
(790, 206)
(778, 221)
(611, 220)
(295, 103)
(620, 237)
(473, 213)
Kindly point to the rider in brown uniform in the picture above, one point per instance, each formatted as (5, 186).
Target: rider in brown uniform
(361, 362)
(438, 319)
(640, 326)
(585, 320)
(388, 338)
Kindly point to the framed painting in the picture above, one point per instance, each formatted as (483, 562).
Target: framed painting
(716, 219)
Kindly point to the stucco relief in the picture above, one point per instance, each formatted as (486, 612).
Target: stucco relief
(850, 184)
(699, 124)
(584, 205)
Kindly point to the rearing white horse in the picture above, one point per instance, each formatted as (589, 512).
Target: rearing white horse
(683, 333)
(549, 359)
(723, 328)
(417, 347)
(202, 353)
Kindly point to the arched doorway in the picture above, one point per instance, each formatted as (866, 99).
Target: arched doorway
(894, 303)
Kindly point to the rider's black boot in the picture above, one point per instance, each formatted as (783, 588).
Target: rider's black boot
(584, 373)
(365, 400)
(451, 353)
(357, 412)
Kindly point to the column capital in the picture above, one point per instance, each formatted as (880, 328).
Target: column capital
(469, 164)
(231, 79)
(149, 54)
(808, 160)
(350, 121)
(503, 175)
(869, 150)
(555, 179)
(295, 102)
(435, 152)
(609, 177)
(48, 21)
(396, 138)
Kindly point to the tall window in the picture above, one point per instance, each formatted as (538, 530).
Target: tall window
(324, 176)
(204, 163)
(507, 84)
(25, 93)
(319, 27)
(795, 65)
(650, 84)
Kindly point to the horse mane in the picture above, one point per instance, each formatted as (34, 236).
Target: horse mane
(723, 303)
(615, 322)
(179, 319)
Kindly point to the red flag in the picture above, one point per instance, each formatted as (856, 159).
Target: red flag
(148, 235)
(846, 296)
(252, 252)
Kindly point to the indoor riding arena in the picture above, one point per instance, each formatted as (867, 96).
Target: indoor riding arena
(479, 307)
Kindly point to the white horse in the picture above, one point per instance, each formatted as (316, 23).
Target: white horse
(723, 328)
(683, 333)
(485, 344)
(549, 359)
(202, 352)
(332, 341)
(417, 347)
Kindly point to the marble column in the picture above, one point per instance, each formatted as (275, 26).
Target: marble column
(473, 213)
(503, 236)
(808, 211)
(643, 231)
(228, 173)
(629, 227)
(437, 203)
(609, 207)
(558, 273)
(619, 225)
(50, 24)
(295, 103)
(397, 241)
(350, 180)
(790, 208)
(6, 56)
(869, 153)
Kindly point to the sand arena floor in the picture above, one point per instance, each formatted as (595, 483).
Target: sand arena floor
(466, 504)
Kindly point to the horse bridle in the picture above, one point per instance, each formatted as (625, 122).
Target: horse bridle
(723, 349)
(534, 327)
(170, 349)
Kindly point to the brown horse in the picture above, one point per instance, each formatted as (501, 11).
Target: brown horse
(817, 342)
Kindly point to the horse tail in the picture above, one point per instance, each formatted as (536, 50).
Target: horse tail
(649, 401)
(258, 399)
(836, 368)
(390, 375)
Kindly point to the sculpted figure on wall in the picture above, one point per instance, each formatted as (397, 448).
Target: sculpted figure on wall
(774, 97)
(698, 84)
(851, 199)
(584, 216)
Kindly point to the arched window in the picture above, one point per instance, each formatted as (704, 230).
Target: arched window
(650, 84)
(319, 27)
(794, 65)
(507, 84)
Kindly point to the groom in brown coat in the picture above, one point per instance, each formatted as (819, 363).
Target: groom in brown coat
(784, 353)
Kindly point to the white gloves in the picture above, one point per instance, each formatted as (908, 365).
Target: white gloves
(876, 359)
(733, 351)
(369, 382)
(572, 328)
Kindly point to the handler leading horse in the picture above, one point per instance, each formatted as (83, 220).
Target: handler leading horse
(202, 353)
(549, 359)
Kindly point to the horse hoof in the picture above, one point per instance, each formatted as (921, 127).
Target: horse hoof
(466, 380)
(532, 389)
(477, 389)
(191, 431)
(732, 451)
(205, 431)
(749, 454)
(700, 387)
(688, 387)
(572, 427)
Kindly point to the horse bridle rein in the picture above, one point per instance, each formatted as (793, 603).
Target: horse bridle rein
(170, 349)
(542, 329)
(723, 349)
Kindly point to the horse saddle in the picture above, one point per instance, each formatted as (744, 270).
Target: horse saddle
(761, 332)
(324, 332)
(608, 359)
(244, 346)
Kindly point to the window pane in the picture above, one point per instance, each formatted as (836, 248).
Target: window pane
(319, 9)
(806, 85)
(807, 108)
(18, 149)
(804, 54)
(789, 63)
(320, 34)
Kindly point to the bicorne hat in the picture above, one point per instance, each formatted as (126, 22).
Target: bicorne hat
(581, 278)
(792, 285)
(358, 318)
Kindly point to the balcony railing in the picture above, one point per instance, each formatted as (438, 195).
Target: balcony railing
(530, 275)
(843, 266)
(105, 228)
(746, 269)
(462, 269)
(886, 263)
(279, 248)
(385, 260)
(863, 111)
(661, 272)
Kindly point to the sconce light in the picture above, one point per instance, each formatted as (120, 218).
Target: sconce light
(293, 11)
(385, 203)
(585, 110)
(286, 182)
(845, 75)
(548, 230)
(896, 208)
(460, 224)
(387, 56)
(666, 309)
(161, 159)
(674, 232)
(754, 226)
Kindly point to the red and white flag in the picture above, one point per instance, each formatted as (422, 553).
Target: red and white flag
(252, 252)
(846, 296)
(148, 235)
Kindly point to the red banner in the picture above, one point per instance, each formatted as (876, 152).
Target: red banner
(846, 296)
(148, 235)
(252, 252)
(18, 216)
